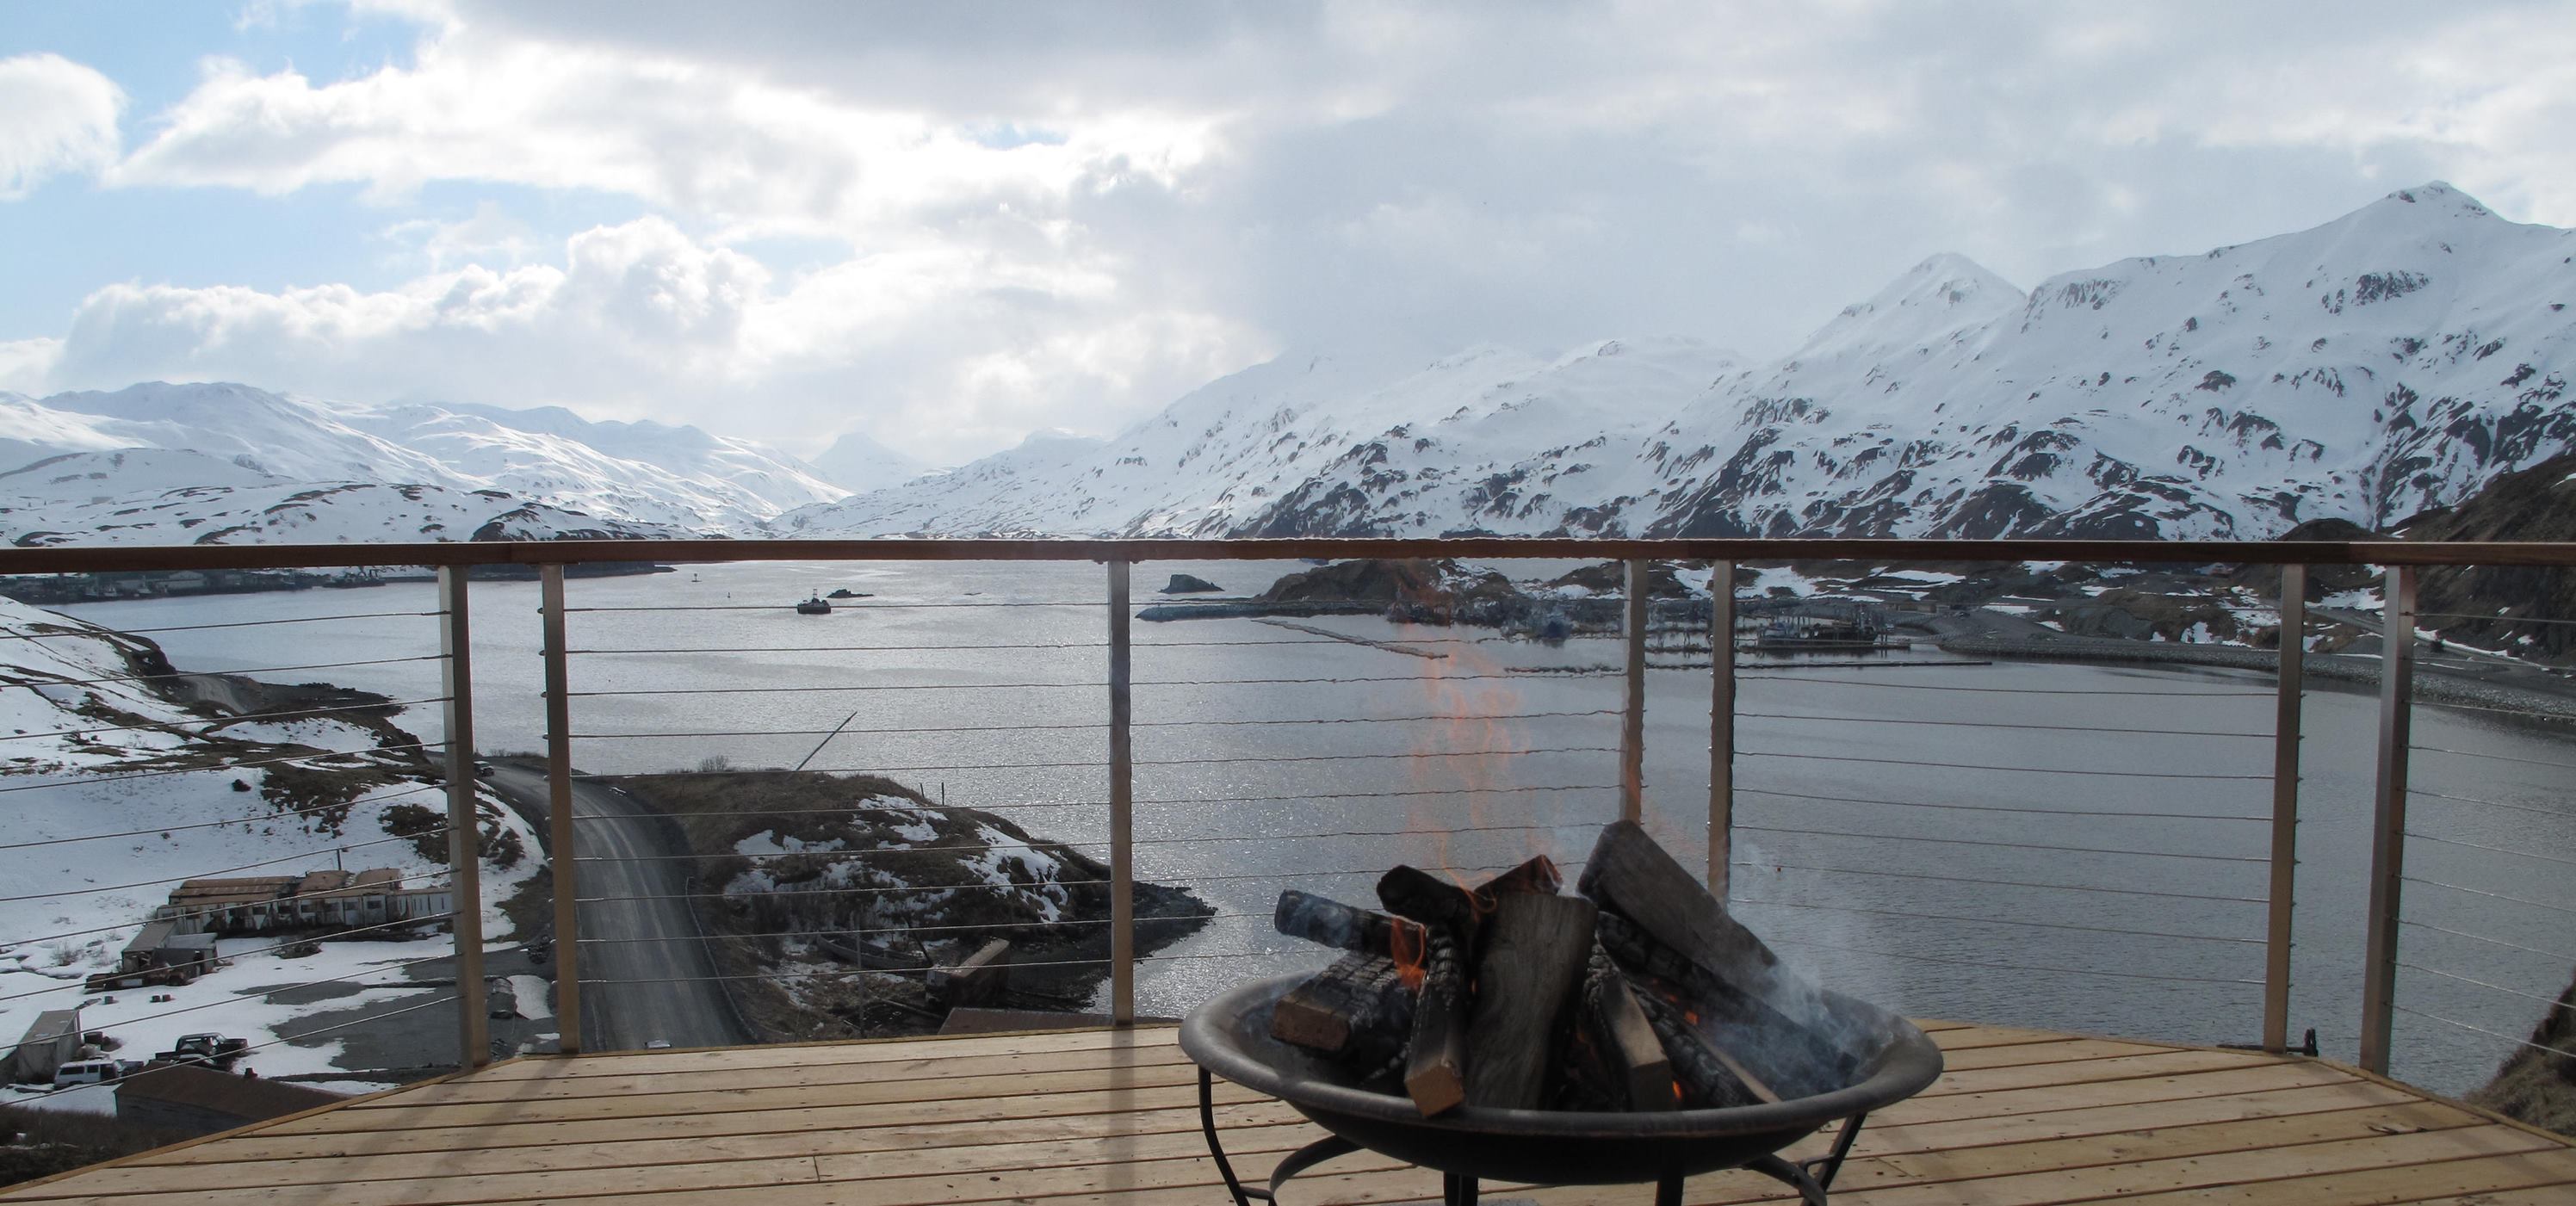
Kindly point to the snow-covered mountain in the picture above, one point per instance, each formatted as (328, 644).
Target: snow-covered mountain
(173, 458)
(1307, 443)
(855, 462)
(149, 496)
(2392, 360)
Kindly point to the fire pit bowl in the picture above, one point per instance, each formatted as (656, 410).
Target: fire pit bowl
(1230, 1037)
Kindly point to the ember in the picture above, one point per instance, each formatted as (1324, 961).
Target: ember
(1638, 994)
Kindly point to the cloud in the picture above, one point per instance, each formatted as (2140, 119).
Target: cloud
(1064, 216)
(488, 233)
(27, 365)
(930, 350)
(62, 118)
(714, 142)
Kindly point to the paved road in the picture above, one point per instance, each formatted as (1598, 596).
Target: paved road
(654, 939)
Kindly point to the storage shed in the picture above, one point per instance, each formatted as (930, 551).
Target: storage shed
(50, 1042)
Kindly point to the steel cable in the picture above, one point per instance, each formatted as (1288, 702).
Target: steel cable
(839, 855)
(318, 1030)
(2559, 813)
(1099, 724)
(2435, 883)
(2035, 770)
(136, 925)
(215, 723)
(2025, 967)
(2530, 854)
(2528, 950)
(2483, 1030)
(170, 829)
(146, 678)
(2007, 808)
(231, 955)
(2002, 883)
(1907, 837)
(1998, 724)
(2044, 925)
(1853, 682)
(94, 780)
(1184, 682)
(154, 883)
(2437, 749)
(2552, 1002)
(369, 615)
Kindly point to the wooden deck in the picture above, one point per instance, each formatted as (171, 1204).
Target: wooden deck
(1073, 1118)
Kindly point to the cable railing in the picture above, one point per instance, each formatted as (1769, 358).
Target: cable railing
(1893, 842)
(282, 841)
(1923, 832)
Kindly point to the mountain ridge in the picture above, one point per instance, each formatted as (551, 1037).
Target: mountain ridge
(2388, 361)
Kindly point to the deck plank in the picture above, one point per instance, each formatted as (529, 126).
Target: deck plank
(1071, 1118)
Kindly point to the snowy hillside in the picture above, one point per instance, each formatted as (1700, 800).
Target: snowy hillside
(2389, 361)
(855, 462)
(621, 476)
(152, 497)
(1307, 443)
(116, 792)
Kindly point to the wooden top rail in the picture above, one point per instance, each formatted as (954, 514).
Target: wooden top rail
(91, 559)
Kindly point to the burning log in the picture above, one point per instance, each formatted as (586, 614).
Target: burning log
(1731, 976)
(1435, 1062)
(1779, 1049)
(1453, 918)
(1535, 949)
(1618, 1037)
(1359, 1009)
(1539, 875)
(1334, 924)
(1706, 1075)
(1639, 994)
(1419, 895)
(1631, 875)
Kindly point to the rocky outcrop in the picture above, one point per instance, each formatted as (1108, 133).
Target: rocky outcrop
(2537, 1086)
(2510, 603)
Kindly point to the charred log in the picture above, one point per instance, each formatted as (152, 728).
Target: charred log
(1633, 1065)
(1358, 1010)
(1707, 1079)
(1780, 1050)
(1332, 923)
(1435, 1061)
(1535, 949)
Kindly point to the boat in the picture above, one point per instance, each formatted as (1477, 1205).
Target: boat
(814, 606)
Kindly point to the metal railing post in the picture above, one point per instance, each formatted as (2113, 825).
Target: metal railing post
(1721, 725)
(559, 826)
(1122, 807)
(1632, 713)
(2287, 684)
(2388, 818)
(464, 823)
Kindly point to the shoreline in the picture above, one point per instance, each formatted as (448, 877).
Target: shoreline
(2433, 685)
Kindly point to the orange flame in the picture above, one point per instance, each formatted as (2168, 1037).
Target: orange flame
(1405, 944)
(1466, 691)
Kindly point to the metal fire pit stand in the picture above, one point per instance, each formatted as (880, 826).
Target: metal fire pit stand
(1811, 1178)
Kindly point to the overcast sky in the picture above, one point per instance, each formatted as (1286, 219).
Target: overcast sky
(948, 225)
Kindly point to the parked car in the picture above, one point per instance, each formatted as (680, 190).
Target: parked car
(657, 1044)
(86, 1072)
